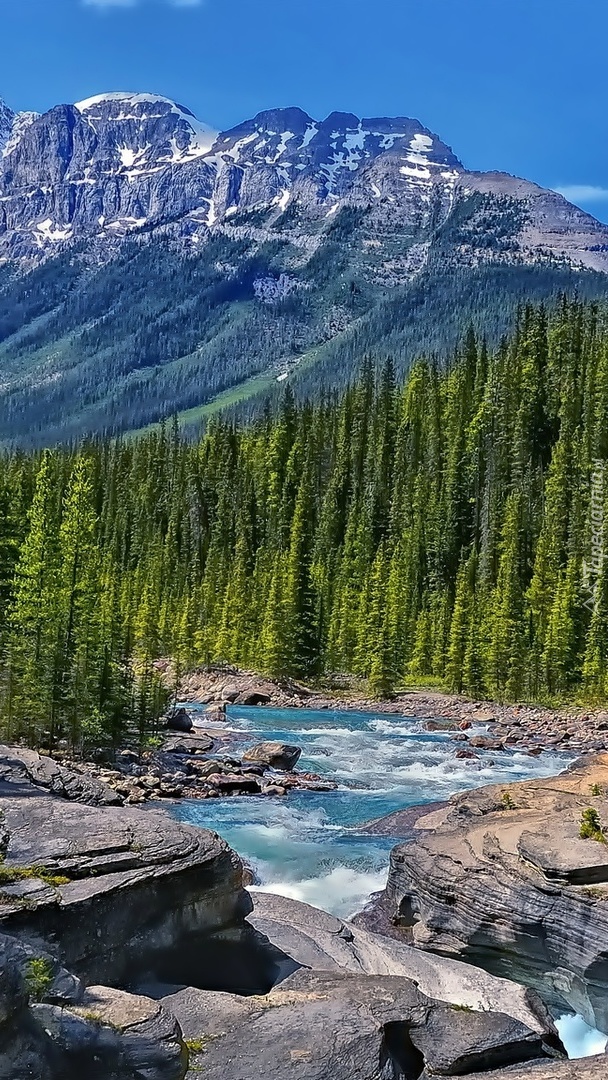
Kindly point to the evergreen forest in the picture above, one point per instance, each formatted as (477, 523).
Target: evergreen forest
(449, 527)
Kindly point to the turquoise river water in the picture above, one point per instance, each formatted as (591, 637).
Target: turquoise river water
(312, 845)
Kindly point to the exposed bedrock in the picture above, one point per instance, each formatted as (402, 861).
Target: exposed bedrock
(320, 1025)
(501, 878)
(118, 887)
(52, 1028)
(313, 938)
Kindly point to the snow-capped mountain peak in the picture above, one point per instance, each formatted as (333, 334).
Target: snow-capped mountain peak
(121, 161)
(151, 115)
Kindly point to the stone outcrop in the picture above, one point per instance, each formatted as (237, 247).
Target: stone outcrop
(19, 765)
(51, 1028)
(325, 1026)
(112, 888)
(595, 1068)
(500, 877)
(317, 940)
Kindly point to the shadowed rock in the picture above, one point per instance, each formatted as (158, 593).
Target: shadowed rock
(327, 1026)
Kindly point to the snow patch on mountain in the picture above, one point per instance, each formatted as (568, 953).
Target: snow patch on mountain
(122, 106)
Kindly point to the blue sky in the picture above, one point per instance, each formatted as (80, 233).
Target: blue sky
(517, 85)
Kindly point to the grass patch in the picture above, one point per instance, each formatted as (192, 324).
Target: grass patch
(10, 874)
(199, 1044)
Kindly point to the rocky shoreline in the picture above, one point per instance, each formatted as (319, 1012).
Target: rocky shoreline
(520, 726)
(199, 757)
(503, 878)
(129, 949)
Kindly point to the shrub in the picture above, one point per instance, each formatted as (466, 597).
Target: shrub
(38, 977)
(591, 827)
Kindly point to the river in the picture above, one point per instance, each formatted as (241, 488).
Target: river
(312, 846)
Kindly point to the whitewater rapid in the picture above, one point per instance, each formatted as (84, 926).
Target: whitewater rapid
(311, 845)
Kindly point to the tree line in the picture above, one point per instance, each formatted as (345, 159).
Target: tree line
(450, 527)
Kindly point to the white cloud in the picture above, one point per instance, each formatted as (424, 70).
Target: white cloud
(583, 193)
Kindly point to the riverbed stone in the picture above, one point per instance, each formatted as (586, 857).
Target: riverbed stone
(179, 720)
(276, 755)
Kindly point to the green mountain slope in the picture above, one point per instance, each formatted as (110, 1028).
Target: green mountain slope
(90, 346)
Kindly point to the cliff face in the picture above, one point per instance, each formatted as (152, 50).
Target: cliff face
(118, 163)
(502, 878)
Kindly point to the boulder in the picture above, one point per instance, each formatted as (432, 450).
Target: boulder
(501, 878)
(215, 714)
(188, 743)
(51, 1028)
(179, 720)
(331, 1026)
(235, 783)
(484, 742)
(121, 885)
(275, 755)
(315, 939)
(115, 1034)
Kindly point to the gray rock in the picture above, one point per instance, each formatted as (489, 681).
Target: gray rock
(317, 940)
(18, 763)
(115, 1034)
(509, 885)
(189, 743)
(138, 882)
(326, 1026)
(180, 720)
(274, 754)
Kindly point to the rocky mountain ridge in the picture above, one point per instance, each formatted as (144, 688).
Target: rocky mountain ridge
(150, 266)
(120, 164)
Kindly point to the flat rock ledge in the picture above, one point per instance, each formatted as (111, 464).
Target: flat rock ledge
(500, 877)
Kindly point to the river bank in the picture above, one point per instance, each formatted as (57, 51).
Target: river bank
(128, 945)
(521, 725)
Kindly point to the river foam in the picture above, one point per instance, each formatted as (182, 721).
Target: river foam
(310, 845)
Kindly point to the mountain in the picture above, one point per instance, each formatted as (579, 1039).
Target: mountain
(149, 264)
